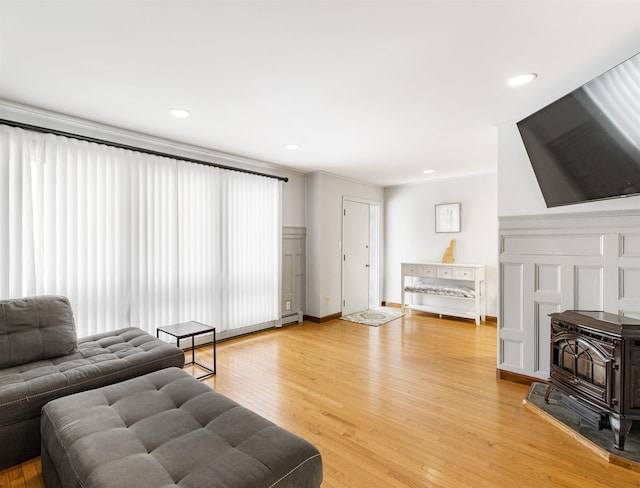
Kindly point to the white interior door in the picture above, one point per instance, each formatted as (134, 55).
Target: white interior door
(355, 257)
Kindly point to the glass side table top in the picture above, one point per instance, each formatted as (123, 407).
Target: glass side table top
(186, 329)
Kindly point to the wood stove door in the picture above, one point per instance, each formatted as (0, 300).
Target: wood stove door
(583, 368)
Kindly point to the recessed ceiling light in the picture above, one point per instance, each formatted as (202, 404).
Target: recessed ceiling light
(179, 112)
(429, 171)
(521, 79)
(293, 147)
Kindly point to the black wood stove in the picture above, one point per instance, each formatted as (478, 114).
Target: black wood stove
(595, 361)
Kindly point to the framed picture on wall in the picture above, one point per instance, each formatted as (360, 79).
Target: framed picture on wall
(448, 217)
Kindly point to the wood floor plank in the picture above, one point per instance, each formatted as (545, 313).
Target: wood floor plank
(413, 403)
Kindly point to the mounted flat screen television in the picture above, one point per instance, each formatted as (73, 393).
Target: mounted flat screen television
(586, 145)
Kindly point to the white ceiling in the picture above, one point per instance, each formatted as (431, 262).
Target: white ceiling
(377, 91)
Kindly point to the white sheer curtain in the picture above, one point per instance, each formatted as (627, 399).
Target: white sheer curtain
(80, 201)
(200, 245)
(250, 273)
(135, 239)
(229, 246)
(17, 266)
(154, 297)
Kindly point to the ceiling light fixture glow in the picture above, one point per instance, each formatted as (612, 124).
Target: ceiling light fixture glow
(429, 171)
(179, 112)
(293, 147)
(521, 79)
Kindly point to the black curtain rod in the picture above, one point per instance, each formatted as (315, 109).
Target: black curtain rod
(44, 130)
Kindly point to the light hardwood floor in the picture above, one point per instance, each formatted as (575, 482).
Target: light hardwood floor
(413, 403)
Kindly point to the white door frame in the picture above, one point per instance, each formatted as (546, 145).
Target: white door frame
(376, 248)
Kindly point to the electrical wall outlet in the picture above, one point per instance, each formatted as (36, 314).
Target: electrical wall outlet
(326, 300)
(287, 305)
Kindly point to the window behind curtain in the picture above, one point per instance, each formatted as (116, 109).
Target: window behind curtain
(135, 239)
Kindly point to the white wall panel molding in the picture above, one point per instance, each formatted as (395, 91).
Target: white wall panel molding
(548, 278)
(541, 335)
(512, 354)
(630, 245)
(629, 283)
(552, 263)
(512, 306)
(293, 300)
(556, 244)
(605, 222)
(588, 287)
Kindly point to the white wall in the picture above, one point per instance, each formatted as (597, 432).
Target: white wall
(410, 229)
(518, 190)
(324, 237)
(293, 200)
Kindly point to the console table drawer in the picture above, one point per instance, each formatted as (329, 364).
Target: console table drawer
(429, 271)
(412, 270)
(465, 273)
(445, 273)
(422, 271)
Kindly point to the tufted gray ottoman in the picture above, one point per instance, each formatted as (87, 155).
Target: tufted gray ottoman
(168, 429)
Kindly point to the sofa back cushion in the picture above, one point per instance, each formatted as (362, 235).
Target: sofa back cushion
(35, 328)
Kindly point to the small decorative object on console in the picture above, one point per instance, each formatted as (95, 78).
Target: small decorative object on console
(448, 256)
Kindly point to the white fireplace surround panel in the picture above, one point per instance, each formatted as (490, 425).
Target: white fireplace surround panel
(552, 263)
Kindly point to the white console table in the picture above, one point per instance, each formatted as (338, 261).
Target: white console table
(448, 289)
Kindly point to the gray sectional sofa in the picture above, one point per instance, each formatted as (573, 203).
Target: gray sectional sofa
(41, 359)
(116, 410)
